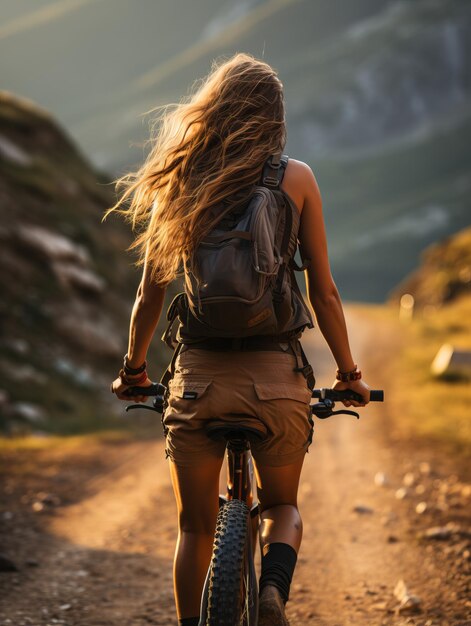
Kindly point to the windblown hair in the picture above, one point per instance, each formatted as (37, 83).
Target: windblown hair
(207, 151)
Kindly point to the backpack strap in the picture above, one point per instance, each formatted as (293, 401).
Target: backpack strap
(274, 170)
(303, 364)
(300, 268)
(168, 336)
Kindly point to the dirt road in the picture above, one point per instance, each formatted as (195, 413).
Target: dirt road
(103, 556)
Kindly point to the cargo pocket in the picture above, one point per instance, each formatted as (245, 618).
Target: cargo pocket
(188, 388)
(280, 391)
(289, 391)
(186, 403)
(184, 398)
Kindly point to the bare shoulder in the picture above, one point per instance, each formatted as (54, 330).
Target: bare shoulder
(300, 183)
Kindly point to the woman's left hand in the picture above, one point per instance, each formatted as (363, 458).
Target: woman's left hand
(358, 386)
(119, 388)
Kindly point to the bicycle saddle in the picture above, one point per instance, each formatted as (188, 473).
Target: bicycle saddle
(244, 428)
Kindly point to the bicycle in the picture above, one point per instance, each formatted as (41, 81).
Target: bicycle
(230, 593)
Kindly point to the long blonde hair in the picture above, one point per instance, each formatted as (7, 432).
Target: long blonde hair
(210, 148)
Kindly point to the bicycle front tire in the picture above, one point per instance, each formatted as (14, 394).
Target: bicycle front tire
(227, 601)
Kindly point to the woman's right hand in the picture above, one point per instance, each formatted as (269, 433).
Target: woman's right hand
(118, 387)
(358, 386)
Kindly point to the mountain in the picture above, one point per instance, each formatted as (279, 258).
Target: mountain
(66, 284)
(378, 96)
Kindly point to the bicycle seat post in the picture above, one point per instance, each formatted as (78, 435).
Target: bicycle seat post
(239, 483)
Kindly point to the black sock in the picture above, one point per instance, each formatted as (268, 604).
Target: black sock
(278, 565)
(189, 621)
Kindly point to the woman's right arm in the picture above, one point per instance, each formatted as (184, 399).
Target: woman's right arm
(321, 289)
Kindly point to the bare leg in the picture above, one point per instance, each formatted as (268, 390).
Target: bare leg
(280, 524)
(277, 492)
(196, 492)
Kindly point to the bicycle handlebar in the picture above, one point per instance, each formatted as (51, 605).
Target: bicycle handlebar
(376, 395)
(322, 409)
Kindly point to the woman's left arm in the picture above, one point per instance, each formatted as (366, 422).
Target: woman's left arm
(144, 319)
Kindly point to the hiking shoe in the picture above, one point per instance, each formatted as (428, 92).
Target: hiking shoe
(271, 609)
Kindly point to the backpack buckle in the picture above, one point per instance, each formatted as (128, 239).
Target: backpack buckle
(306, 370)
(270, 181)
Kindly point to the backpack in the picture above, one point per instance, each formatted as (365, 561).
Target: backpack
(240, 280)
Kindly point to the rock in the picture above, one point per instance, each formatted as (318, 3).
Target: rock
(51, 245)
(407, 601)
(49, 499)
(408, 479)
(389, 518)
(380, 479)
(79, 375)
(421, 508)
(32, 563)
(409, 604)
(23, 373)
(65, 607)
(400, 590)
(420, 489)
(424, 468)
(28, 411)
(13, 153)
(71, 275)
(466, 491)
(362, 509)
(6, 564)
(440, 533)
(451, 362)
(16, 345)
(401, 493)
(95, 335)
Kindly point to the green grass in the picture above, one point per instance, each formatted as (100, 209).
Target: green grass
(425, 407)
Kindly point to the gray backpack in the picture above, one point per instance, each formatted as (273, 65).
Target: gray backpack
(240, 281)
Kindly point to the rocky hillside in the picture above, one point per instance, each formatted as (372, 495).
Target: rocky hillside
(445, 272)
(66, 285)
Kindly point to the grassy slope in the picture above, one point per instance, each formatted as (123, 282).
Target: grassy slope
(426, 408)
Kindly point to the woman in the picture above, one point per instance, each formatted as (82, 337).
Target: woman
(207, 150)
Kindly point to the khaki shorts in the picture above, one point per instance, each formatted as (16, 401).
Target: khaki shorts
(257, 388)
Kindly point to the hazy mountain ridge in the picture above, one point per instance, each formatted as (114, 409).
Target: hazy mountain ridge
(384, 78)
(378, 96)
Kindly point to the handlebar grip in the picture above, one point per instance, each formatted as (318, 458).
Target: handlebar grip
(156, 389)
(376, 395)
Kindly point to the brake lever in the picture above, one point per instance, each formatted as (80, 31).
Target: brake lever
(324, 409)
(157, 405)
(346, 412)
(130, 407)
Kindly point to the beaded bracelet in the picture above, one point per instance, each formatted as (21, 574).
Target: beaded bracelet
(346, 377)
